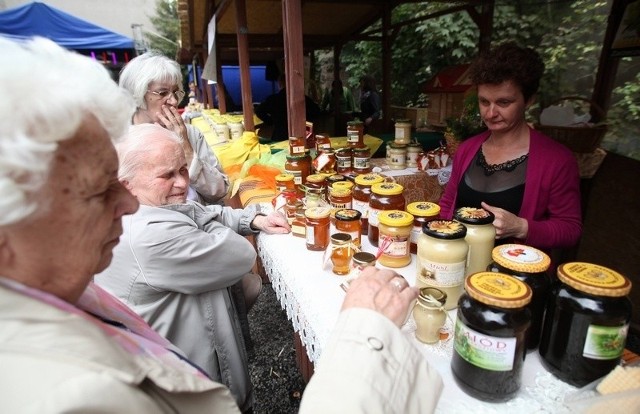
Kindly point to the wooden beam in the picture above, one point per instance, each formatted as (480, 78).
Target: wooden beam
(386, 66)
(294, 67)
(243, 59)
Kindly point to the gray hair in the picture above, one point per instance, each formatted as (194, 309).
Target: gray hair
(134, 148)
(47, 93)
(149, 67)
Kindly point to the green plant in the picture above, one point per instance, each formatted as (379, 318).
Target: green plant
(469, 123)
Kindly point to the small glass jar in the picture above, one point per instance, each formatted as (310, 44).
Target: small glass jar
(317, 182)
(317, 227)
(299, 224)
(343, 160)
(293, 204)
(361, 194)
(384, 196)
(429, 314)
(348, 221)
(355, 134)
(361, 260)
(325, 161)
(402, 131)
(339, 198)
(394, 238)
(322, 142)
(236, 129)
(481, 236)
(586, 323)
(341, 253)
(285, 183)
(489, 339)
(422, 212)
(413, 153)
(361, 160)
(314, 197)
(530, 266)
(442, 258)
(397, 157)
(297, 146)
(300, 167)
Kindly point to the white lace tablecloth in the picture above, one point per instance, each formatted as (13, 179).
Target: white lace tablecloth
(312, 298)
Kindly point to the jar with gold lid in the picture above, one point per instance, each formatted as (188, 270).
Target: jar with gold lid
(344, 160)
(422, 212)
(297, 146)
(481, 236)
(355, 134)
(343, 185)
(529, 265)
(348, 221)
(339, 198)
(341, 253)
(442, 258)
(489, 336)
(402, 131)
(429, 314)
(586, 322)
(361, 160)
(285, 182)
(317, 227)
(394, 238)
(361, 194)
(384, 196)
(334, 178)
(397, 156)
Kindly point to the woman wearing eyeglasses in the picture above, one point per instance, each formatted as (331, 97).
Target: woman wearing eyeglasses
(155, 82)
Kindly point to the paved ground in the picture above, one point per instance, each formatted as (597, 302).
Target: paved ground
(275, 376)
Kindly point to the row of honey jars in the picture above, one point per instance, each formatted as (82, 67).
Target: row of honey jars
(384, 196)
(353, 160)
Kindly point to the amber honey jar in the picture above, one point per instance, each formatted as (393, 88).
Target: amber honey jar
(355, 134)
(293, 204)
(422, 211)
(297, 145)
(322, 142)
(384, 196)
(317, 227)
(348, 221)
(343, 185)
(344, 160)
(361, 194)
(317, 182)
(285, 182)
(341, 253)
(325, 161)
(361, 160)
(529, 265)
(299, 223)
(394, 236)
(300, 167)
(586, 322)
(334, 178)
(340, 198)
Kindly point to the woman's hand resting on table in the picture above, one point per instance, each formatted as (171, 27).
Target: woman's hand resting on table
(507, 224)
(273, 223)
(383, 291)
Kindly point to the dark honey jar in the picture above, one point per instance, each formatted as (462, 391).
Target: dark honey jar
(586, 324)
(348, 221)
(361, 160)
(489, 339)
(529, 265)
(384, 196)
(355, 134)
(344, 160)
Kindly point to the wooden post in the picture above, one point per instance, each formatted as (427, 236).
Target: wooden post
(243, 60)
(386, 66)
(220, 89)
(294, 66)
(337, 116)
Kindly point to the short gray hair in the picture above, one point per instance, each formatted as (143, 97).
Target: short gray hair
(47, 93)
(149, 67)
(136, 144)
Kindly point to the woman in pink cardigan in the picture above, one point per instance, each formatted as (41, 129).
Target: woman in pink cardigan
(527, 180)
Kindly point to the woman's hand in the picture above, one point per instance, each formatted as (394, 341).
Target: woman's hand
(383, 291)
(507, 224)
(272, 223)
(171, 120)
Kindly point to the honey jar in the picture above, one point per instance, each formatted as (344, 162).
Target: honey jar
(586, 323)
(402, 131)
(429, 314)
(397, 156)
(297, 145)
(285, 182)
(361, 260)
(322, 142)
(317, 182)
(394, 238)
(300, 167)
(489, 338)
(299, 223)
(317, 227)
(361, 160)
(384, 196)
(422, 212)
(355, 134)
(343, 185)
(293, 204)
(341, 253)
(442, 258)
(413, 153)
(530, 266)
(339, 198)
(334, 178)
(481, 236)
(348, 221)
(343, 160)
(325, 161)
(361, 194)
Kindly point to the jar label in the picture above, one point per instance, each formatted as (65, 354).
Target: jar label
(373, 216)
(361, 162)
(294, 150)
(441, 274)
(310, 235)
(338, 206)
(484, 351)
(297, 176)
(416, 231)
(397, 159)
(353, 136)
(400, 132)
(362, 207)
(344, 162)
(396, 246)
(605, 342)
(298, 230)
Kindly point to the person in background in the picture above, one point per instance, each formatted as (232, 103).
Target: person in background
(155, 81)
(345, 98)
(527, 180)
(370, 104)
(180, 259)
(66, 345)
(273, 111)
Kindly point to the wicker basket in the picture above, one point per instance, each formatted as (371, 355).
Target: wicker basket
(579, 138)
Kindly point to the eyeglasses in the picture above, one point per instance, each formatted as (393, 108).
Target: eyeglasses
(163, 94)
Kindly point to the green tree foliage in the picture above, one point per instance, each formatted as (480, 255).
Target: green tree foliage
(167, 28)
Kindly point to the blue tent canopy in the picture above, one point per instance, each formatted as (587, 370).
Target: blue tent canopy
(39, 19)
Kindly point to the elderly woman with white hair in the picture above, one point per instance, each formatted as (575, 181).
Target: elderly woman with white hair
(155, 82)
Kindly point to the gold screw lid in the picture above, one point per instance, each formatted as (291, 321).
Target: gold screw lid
(395, 218)
(284, 177)
(369, 179)
(339, 192)
(315, 178)
(342, 185)
(521, 258)
(594, 279)
(498, 289)
(317, 212)
(423, 209)
(387, 188)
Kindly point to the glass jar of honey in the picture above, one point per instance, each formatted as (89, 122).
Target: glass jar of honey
(586, 323)
(339, 198)
(300, 167)
(325, 161)
(317, 182)
(285, 182)
(429, 314)
(355, 134)
(322, 142)
(361, 160)
(361, 260)
(422, 212)
(317, 227)
(397, 157)
(361, 194)
(293, 204)
(297, 145)
(530, 266)
(481, 236)
(343, 160)
(489, 337)
(341, 253)
(442, 258)
(394, 238)
(413, 153)
(384, 196)
(299, 223)
(343, 185)
(348, 221)
(402, 131)
(334, 178)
